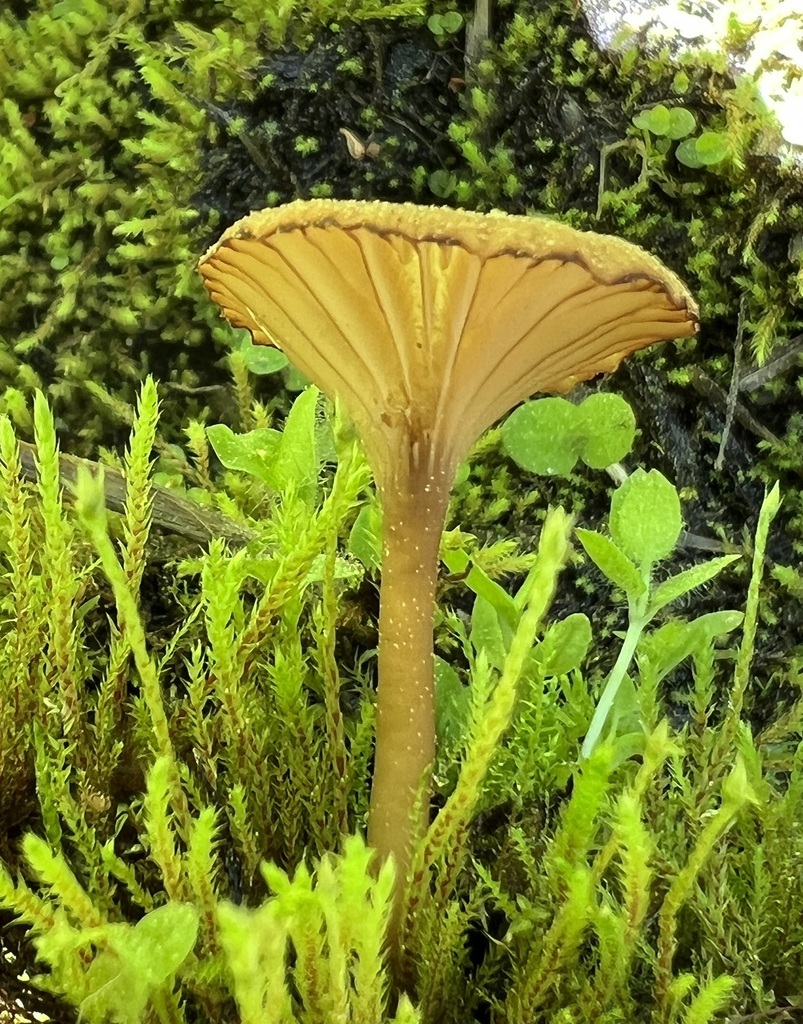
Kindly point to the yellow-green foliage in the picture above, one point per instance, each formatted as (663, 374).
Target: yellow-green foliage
(663, 885)
(104, 116)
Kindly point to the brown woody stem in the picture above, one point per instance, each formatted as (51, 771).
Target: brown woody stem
(405, 710)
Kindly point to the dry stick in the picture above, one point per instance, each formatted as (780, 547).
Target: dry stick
(784, 357)
(733, 390)
(170, 512)
(710, 389)
(478, 32)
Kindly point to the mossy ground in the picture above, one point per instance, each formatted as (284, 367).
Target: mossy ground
(133, 133)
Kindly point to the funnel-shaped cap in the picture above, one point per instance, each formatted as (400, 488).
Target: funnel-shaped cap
(431, 323)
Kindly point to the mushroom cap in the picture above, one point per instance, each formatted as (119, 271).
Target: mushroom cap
(431, 323)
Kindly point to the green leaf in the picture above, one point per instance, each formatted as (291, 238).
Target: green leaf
(655, 120)
(681, 123)
(712, 147)
(452, 702)
(160, 942)
(489, 590)
(263, 359)
(442, 183)
(674, 641)
(250, 453)
(365, 537)
(565, 645)
(296, 459)
(607, 426)
(645, 518)
(686, 154)
(613, 562)
(137, 960)
(451, 21)
(479, 582)
(487, 633)
(541, 436)
(294, 380)
(680, 584)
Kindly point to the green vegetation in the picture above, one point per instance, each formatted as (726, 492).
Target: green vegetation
(186, 732)
(655, 876)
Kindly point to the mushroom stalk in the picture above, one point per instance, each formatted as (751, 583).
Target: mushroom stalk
(405, 707)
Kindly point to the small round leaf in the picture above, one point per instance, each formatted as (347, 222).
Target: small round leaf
(645, 520)
(442, 182)
(451, 21)
(712, 148)
(686, 154)
(607, 427)
(263, 359)
(540, 436)
(681, 123)
(655, 120)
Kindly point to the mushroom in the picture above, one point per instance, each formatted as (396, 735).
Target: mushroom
(430, 324)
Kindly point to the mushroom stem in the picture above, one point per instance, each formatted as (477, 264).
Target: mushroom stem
(405, 707)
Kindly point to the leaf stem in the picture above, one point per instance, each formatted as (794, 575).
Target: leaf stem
(634, 630)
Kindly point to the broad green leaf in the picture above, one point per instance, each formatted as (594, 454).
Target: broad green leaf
(607, 426)
(645, 518)
(442, 182)
(487, 633)
(365, 539)
(451, 21)
(159, 943)
(686, 154)
(541, 436)
(712, 147)
(656, 119)
(716, 623)
(294, 380)
(565, 645)
(667, 647)
(137, 960)
(456, 561)
(452, 701)
(736, 790)
(250, 453)
(676, 586)
(480, 583)
(624, 718)
(613, 562)
(263, 359)
(674, 641)
(296, 459)
(681, 123)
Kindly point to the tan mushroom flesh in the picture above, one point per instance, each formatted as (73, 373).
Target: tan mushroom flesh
(430, 324)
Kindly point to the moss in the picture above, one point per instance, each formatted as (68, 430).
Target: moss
(133, 132)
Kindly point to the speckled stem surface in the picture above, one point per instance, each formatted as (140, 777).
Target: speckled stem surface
(405, 711)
